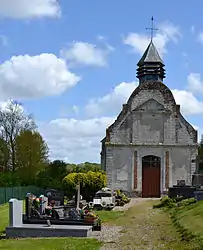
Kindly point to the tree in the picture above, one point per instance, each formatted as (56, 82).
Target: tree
(31, 154)
(83, 167)
(4, 155)
(13, 120)
(200, 155)
(57, 169)
(51, 176)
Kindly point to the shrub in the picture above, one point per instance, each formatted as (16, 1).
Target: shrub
(174, 202)
(9, 179)
(186, 202)
(121, 198)
(90, 183)
(165, 202)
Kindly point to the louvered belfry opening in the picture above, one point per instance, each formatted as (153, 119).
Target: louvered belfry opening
(150, 66)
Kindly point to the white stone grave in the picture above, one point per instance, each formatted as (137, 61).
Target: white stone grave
(17, 229)
(15, 212)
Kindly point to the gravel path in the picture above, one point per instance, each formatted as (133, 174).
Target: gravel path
(142, 228)
(133, 202)
(110, 234)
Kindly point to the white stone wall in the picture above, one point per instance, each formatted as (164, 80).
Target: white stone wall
(151, 126)
(120, 165)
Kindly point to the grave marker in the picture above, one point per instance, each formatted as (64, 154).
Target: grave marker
(15, 212)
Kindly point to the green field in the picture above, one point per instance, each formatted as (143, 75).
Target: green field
(50, 244)
(189, 220)
(3, 217)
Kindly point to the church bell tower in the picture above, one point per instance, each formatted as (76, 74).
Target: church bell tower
(150, 66)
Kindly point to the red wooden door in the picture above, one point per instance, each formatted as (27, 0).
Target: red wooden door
(151, 175)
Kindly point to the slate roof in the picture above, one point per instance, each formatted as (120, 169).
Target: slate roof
(150, 55)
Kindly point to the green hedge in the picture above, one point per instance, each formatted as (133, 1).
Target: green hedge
(90, 182)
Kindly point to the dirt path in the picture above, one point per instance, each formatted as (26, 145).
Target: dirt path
(142, 227)
(133, 202)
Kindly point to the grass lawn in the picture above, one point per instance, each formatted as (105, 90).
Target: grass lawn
(110, 216)
(190, 218)
(3, 217)
(50, 244)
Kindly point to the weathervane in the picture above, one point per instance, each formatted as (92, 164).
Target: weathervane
(152, 29)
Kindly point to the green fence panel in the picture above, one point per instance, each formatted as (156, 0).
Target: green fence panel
(2, 195)
(15, 193)
(9, 193)
(6, 193)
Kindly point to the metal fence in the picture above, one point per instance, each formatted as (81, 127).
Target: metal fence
(6, 193)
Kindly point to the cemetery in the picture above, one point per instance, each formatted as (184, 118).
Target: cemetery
(52, 215)
(19, 228)
(39, 210)
(189, 191)
(48, 216)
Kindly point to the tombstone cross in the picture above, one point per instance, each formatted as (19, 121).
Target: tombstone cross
(78, 195)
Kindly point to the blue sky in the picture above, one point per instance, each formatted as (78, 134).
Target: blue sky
(73, 63)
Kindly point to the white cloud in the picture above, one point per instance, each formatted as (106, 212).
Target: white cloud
(199, 134)
(189, 104)
(24, 77)
(111, 102)
(101, 38)
(192, 29)
(83, 53)
(3, 40)
(200, 38)
(76, 109)
(167, 32)
(195, 84)
(75, 140)
(20, 9)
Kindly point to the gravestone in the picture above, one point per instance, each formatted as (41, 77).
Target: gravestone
(15, 213)
(43, 204)
(197, 180)
(28, 202)
(17, 229)
(55, 195)
(78, 195)
(180, 183)
(181, 190)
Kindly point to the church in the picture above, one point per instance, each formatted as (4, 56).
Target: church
(150, 146)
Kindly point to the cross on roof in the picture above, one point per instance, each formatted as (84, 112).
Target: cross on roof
(152, 29)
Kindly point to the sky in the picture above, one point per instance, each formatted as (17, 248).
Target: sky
(72, 64)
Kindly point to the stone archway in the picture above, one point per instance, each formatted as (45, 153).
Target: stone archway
(151, 175)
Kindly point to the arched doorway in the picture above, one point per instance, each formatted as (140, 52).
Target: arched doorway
(151, 175)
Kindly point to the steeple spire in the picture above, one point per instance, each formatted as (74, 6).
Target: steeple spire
(152, 29)
(151, 66)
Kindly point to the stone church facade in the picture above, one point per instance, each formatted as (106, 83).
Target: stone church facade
(150, 146)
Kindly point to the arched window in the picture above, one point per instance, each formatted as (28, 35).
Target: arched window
(151, 161)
